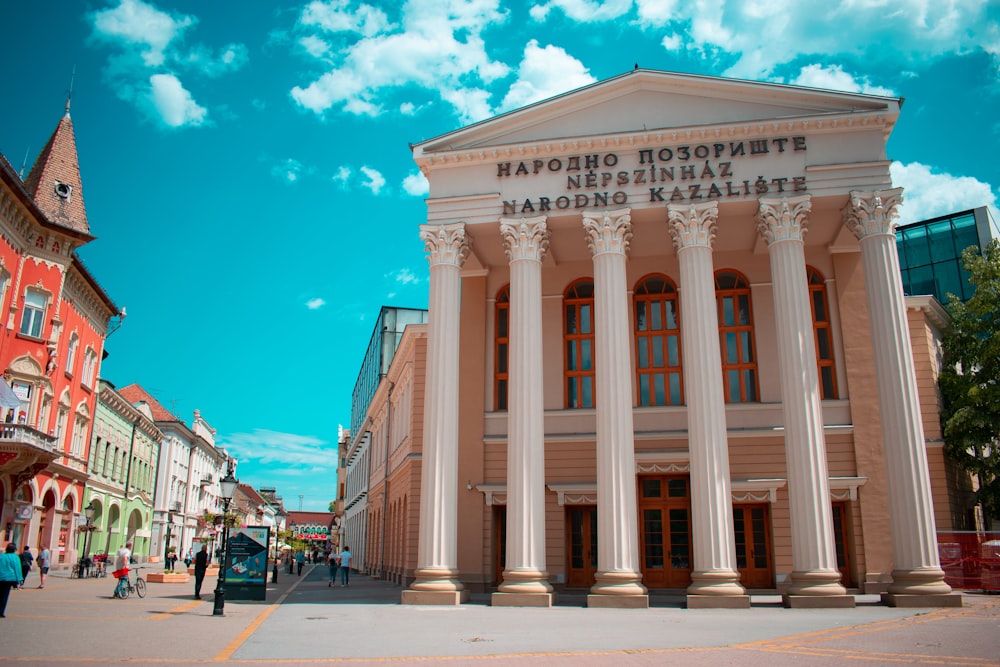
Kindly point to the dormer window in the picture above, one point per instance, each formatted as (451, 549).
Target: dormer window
(63, 190)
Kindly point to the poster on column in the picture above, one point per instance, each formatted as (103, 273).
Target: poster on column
(246, 563)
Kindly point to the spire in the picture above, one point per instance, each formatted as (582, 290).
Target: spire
(54, 180)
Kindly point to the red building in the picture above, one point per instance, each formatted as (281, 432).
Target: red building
(55, 320)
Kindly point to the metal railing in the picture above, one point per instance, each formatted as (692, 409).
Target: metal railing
(970, 560)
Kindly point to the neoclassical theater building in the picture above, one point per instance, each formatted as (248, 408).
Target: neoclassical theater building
(668, 348)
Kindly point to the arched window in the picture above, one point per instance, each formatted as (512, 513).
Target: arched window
(501, 350)
(578, 338)
(657, 342)
(823, 334)
(739, 358)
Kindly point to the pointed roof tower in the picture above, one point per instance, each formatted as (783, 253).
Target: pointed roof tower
(54, 180)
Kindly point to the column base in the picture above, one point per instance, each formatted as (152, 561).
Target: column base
(452, 598)
(909, 601)
(618, 601)
(927, 582)
(718, 601)
(435, 586)
(522, 599)
(618, 590)
(525, 582)
(715, 583)
(790, 601)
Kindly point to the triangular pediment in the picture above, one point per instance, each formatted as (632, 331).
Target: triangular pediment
(645, 101)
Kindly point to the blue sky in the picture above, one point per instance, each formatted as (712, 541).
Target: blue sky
(246, 166)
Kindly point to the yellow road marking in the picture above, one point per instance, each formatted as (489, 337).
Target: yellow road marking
(227, 652)
(187, 606)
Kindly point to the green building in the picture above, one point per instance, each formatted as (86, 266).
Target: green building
(122, 476)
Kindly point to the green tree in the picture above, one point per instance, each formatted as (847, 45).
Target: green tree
(333, 505)
(970, 377)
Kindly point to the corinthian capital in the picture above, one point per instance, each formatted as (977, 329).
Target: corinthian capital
(871, 213)
(693, 224)
(525, 238)
(446, 244)
(783, 219)
(608, 231)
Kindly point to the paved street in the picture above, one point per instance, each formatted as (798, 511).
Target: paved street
(305, 622)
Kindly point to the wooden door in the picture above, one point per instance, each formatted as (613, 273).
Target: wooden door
(499, 543)
(581, 528)
(751, 524)
(665, 531)
(840, 524)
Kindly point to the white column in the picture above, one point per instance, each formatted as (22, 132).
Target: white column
(870, 217)
(525, 579)
(714, 579)
(436, 577)
(619, 578)
(782, 223)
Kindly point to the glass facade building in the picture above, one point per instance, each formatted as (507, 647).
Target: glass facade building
(381, 348)
(930, 252)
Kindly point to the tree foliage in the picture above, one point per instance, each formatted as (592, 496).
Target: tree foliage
(970, 377)
(333, 505)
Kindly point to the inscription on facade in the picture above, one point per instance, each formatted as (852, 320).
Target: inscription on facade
(670, 174)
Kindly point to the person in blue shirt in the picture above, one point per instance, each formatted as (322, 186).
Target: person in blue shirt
(300, 559)
(10, 575)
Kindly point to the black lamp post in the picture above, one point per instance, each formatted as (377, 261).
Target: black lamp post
(227, 487)
(88, 512)
(166, 549)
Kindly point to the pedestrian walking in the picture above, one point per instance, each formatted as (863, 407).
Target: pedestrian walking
(26, 560)
(10, 575)
(43, 565)
(200, 567)
(122, 560)
(300, 560)
(334, 563)
(188, 559)
(345, 566)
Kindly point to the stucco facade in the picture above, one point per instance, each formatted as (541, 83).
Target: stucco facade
(668, 345)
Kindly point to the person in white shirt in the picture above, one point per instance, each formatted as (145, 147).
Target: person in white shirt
(122, 560)
(345, 566)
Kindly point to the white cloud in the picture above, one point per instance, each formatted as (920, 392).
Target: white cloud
(834, 77)
(289, 171)
(762, 35)
(342, 177)
(172, 103)
(584, 11)
(315, 304)
(136, 23)
(434, 49)
(149, 55)
(315, 46)
(929, 195)
(286, 449)
(543, 73)
(336, 16)
(416, 185)
(403, 277)
(375, 181)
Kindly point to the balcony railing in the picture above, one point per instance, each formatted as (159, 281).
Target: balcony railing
(206, 481)
(28, 436)
(175, 506)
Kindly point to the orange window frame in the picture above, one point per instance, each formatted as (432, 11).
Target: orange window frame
(819, 305)
(658, 374)
(578, 344)
(501, 348)
(736, 337)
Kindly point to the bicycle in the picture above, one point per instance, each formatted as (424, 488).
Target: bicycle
(128, 587)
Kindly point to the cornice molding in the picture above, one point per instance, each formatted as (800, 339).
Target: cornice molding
(853, 121)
